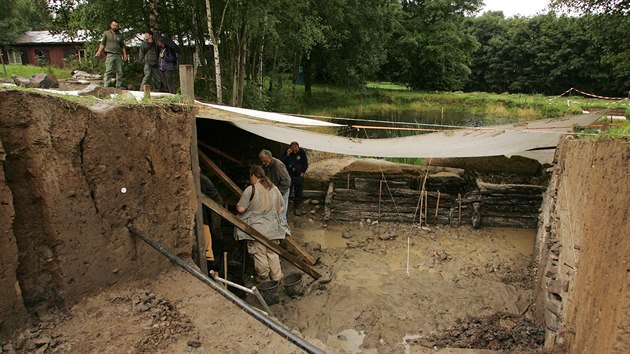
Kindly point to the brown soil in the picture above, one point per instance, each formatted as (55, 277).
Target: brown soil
(66, 166)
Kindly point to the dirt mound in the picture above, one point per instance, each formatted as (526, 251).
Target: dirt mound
(500, 331)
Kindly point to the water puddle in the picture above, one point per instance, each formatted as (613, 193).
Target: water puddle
(523, 240)
(327, 238)
(348, 340)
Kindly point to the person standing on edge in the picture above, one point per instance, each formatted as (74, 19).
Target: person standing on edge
(279, 176)
(149, 54)
(167, 62)
(113, 45)
(296, 162)
(260, 207)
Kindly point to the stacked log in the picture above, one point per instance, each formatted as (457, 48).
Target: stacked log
(463, 200)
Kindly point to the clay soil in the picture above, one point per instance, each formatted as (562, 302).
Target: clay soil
(457, 280)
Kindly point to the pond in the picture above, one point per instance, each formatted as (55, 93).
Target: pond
(411, 122)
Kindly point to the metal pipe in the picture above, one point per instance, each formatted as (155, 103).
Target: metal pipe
(268, 322)
(232, 284)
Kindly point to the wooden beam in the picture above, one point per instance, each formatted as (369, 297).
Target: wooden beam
(219, 152)
(194, 161)
(301, 252)
(228, 181)
(219, 173)
(187, 83)
(232, 219)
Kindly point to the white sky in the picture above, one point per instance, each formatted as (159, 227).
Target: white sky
(516, 7)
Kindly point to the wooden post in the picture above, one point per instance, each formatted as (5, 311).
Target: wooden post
(380, 191)
(459, 201)
(225, 267)
(348, 183)
(421, 206)
(426, 208)
(437, 206)
(194, 160)
(147, 91)
(187, 83)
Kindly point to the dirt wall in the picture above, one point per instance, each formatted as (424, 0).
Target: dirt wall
(584, 250)
(66, 166)
(12, 309)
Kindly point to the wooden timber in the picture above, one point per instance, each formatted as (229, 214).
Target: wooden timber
(234, 220)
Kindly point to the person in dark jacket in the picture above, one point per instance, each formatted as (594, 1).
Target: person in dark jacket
(297, 163)
(279, 176)
(167, 62)
(149, 55)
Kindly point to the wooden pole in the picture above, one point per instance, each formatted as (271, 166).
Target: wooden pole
(459, 201)
(225, 267)
(194, 157)
(147, 91)
(219, 173)
(348, 184)
(426, 208)
(421, 206)
(240, 224)
(187, 83)
(437, 206)
(219, 152)
(380, 191)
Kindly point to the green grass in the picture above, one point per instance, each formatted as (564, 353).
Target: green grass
(616, 132)
(384, 99)
(28, 71)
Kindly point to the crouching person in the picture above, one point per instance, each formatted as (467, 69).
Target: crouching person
(261, 207)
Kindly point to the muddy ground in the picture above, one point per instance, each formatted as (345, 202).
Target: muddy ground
(377, 302)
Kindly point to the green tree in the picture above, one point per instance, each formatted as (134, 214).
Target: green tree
(429, 49)
(593, 6)
(11, 26)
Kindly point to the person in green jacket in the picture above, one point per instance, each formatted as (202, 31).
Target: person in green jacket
(149, 54)
(113, 45)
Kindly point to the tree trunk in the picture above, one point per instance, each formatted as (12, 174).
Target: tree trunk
(217, 58)
(308, 76)
(4, 67)
(242, 62)
(261, 54)
(154, 23)
(273, 68)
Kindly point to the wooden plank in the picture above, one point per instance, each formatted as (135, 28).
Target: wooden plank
(194, 157)
(227, 180)
(301, 252)
(219, 152)
(232, 219)
(219, 173)
(187, 83)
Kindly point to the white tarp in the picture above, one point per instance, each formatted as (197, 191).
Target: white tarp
(487, 141)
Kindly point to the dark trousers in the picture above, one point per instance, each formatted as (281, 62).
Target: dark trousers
(169, 80)
(297, 183)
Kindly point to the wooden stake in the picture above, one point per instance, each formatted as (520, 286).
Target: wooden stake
(147, 91)
(380, 191)
(437, 206)
(426, 208)
(421, 206)
(348, 184)
(225, 268)
(459, 199)
(187, 82)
